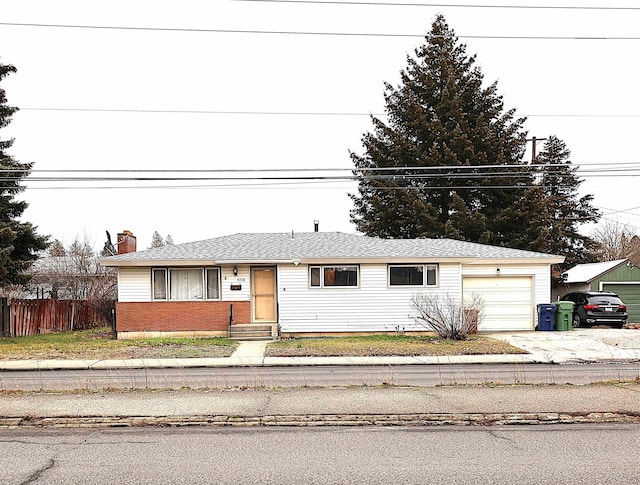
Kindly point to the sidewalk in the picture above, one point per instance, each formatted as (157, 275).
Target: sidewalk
(576, 346)
(392, 406)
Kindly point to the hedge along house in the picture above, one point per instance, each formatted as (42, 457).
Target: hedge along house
(320, 284)
(619, 276)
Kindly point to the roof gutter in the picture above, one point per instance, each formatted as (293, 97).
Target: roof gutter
(296, 261)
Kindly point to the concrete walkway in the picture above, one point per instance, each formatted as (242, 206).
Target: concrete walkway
(575, 346)
(249, 353)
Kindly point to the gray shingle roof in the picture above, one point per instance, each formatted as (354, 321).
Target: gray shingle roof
(272, 247)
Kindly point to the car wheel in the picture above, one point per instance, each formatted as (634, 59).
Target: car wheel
(617, 325)
(576, 321)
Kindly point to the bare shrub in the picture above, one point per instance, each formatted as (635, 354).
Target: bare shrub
(449, 317)
(74, 273)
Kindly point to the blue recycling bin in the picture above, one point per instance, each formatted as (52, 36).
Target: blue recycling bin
(546, 317)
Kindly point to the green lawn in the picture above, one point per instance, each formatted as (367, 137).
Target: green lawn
(387, 345)
(98, 344)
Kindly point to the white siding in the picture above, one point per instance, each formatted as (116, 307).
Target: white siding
(242, 278)
(373, 306)
(134, 284)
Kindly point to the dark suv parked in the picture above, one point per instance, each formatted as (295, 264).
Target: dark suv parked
(596, 308)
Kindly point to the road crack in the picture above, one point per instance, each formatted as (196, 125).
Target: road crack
(495, 435)
(35, 476)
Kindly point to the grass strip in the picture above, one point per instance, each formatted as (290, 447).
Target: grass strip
(98, 344)
(388, 345)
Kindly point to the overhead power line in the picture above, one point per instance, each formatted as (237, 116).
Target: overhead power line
(198, 111)
(316, 185)
(452, 5)
(310, 33)
(390, 178)
(296, 113)
(408, 181)
(607, 166)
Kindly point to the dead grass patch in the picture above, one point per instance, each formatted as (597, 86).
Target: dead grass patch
(97, 344)
(388, 345)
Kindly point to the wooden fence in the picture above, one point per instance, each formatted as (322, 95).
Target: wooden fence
(32, 317)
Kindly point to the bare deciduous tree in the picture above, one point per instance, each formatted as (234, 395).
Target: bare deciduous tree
(449, 317)
(74, 273)
(616, 241)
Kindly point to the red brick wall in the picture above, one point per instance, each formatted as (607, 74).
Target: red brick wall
(168, 316)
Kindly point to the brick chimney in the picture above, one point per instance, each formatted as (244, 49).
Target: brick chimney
(126, 242)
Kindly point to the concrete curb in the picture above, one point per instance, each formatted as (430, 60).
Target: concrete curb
(318, 420)
(60, 364)
(42, 365)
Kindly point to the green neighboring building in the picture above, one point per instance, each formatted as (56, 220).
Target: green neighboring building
(620, 276)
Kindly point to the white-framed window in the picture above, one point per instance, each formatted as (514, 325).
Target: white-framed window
(159, 283)
(183, 284)
(333, 276)
(413, 274)
(212, 278)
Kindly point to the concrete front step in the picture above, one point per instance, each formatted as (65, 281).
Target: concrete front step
(244, 338)
(251, 332)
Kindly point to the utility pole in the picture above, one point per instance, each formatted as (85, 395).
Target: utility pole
(533, 147)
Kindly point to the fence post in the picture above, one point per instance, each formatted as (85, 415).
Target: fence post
(114, 325)
(5, 317)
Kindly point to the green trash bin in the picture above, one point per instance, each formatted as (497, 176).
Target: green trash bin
(564, 315)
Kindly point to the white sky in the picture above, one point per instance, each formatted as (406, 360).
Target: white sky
(116, 69)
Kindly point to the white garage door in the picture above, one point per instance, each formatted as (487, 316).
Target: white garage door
(507, 302)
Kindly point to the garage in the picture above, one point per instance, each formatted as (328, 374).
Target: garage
(620, 276)
(507, 301)
(629, 293)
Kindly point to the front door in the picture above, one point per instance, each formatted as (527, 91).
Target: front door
(263, 294)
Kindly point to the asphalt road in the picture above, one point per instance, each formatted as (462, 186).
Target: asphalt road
(320, 376)
(584, 454)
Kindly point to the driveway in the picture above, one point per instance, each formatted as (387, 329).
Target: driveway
(578, 345)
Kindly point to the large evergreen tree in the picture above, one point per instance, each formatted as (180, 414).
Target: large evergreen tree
(438, 166)
(19, 241)
(565, 210)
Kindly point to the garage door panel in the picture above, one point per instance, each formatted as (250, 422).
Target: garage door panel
(630, 295)
(507, 301)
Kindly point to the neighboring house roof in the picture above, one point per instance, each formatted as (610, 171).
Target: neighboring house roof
(47, 264)
(585, 273)
(310, 247)
(64, 265)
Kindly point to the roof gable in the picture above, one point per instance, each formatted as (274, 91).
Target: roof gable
(585, 273)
